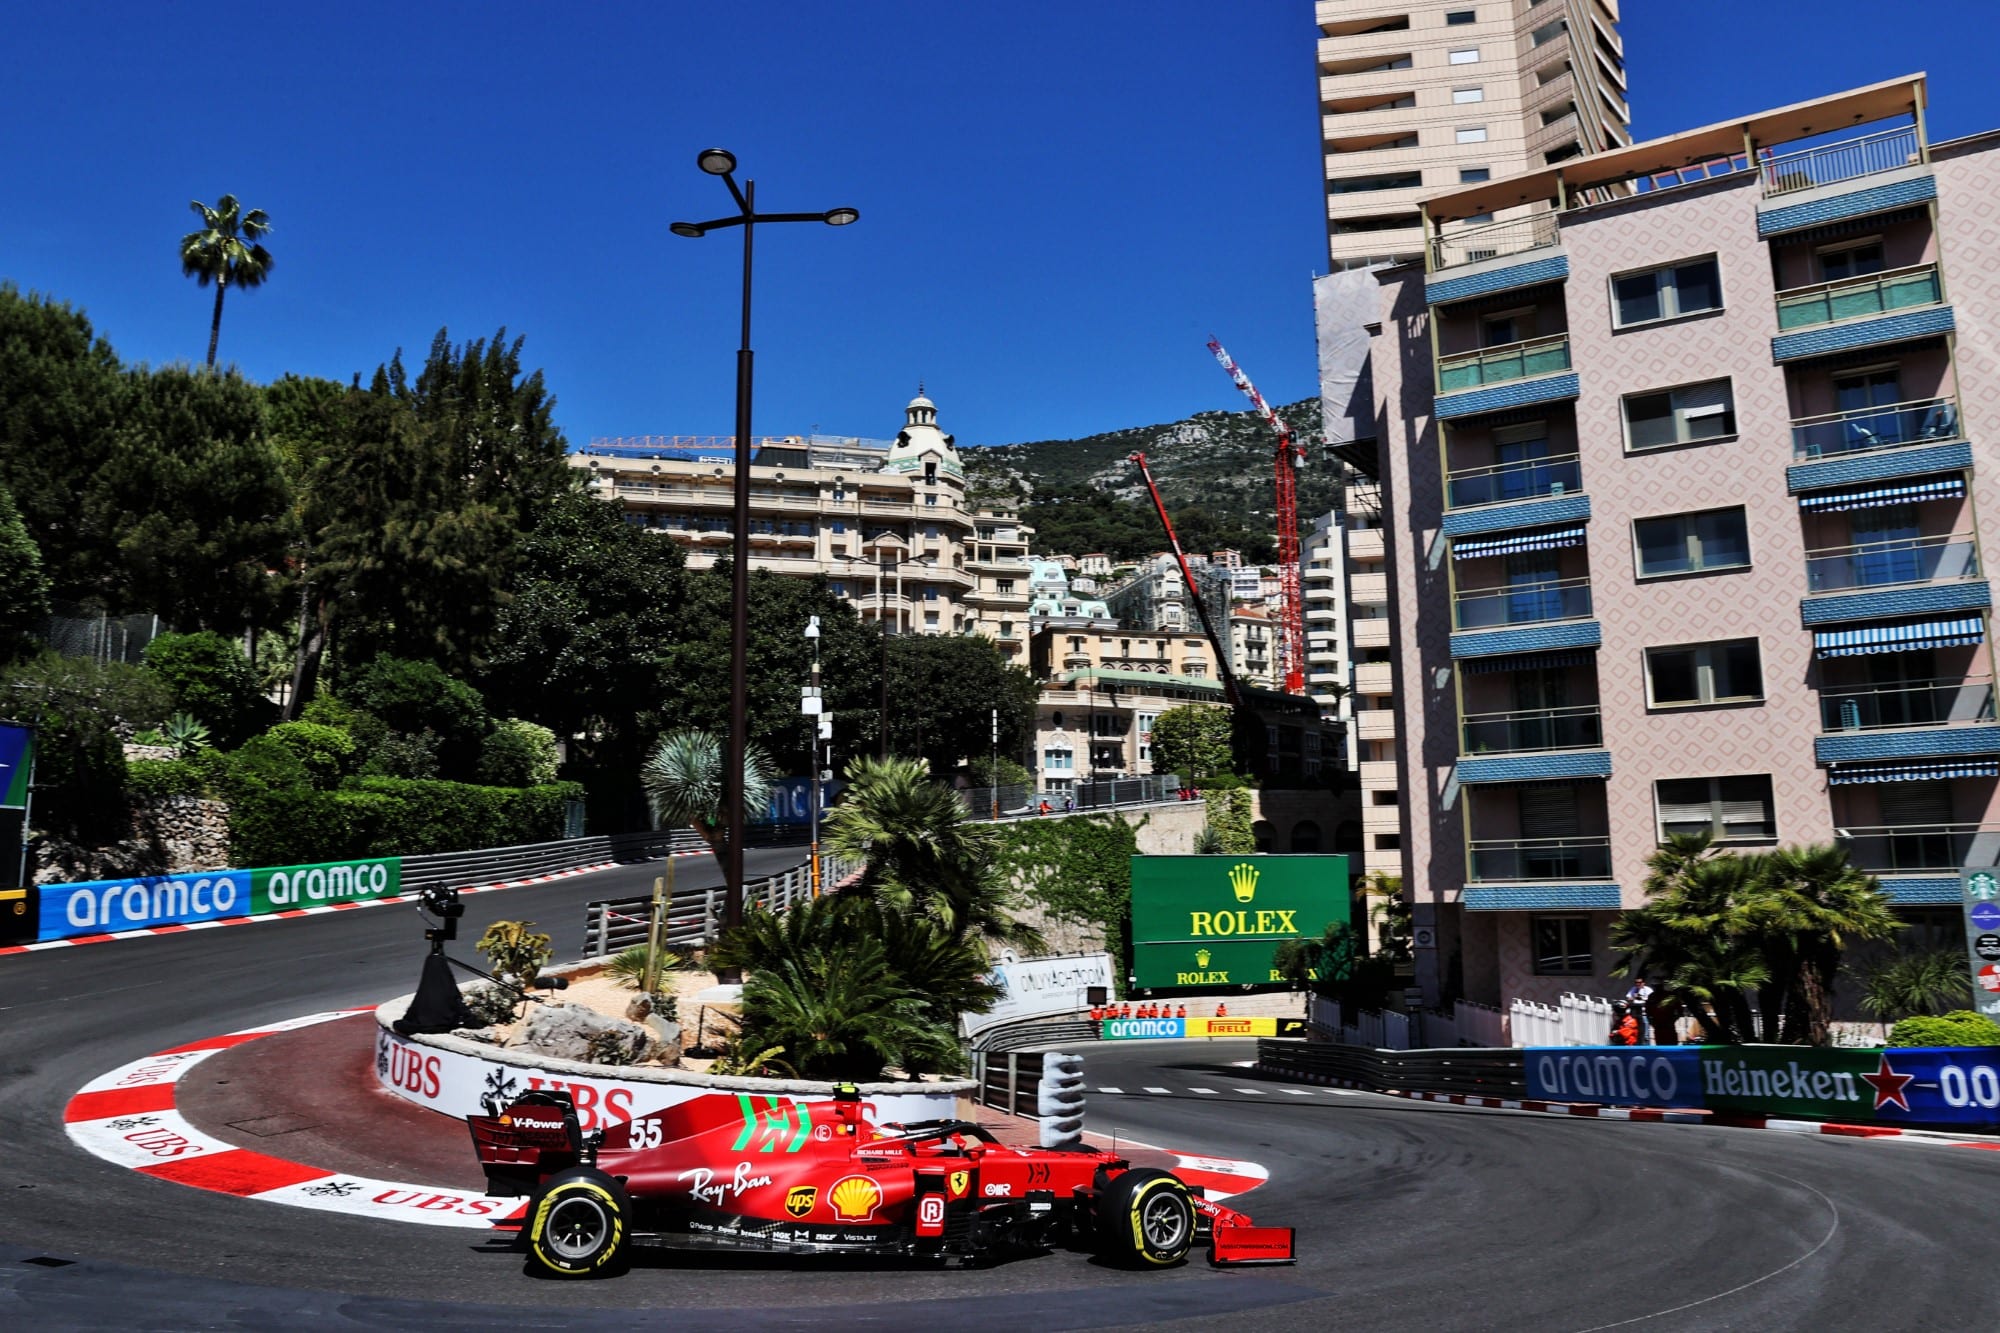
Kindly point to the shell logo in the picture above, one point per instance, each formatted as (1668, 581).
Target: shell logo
(855, 1198)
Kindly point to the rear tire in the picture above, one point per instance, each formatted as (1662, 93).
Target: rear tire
(580, 1226)
(1145, 1219)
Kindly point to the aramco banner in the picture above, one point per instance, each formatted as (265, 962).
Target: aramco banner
(1208, 921)
(284, 888)
(1899, 1085)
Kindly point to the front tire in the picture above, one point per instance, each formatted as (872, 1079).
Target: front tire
(580, 1226)
(1145, 1219)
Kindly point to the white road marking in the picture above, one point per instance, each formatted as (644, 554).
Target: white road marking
(1252, 1092)
(1340, 1092)
(1206, 1092)
(1298, 1092)
(1112, 1090)
(1164, 1092)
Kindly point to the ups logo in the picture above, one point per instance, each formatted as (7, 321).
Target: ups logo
(799, 1200)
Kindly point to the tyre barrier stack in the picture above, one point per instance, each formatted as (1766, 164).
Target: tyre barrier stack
(1059, 1101)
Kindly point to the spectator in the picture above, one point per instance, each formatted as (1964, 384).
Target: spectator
(1180, 1011)
(1045, 807)
(1638, 1001)
(1624, 1027)
(1069, 804)
(1222, 1011)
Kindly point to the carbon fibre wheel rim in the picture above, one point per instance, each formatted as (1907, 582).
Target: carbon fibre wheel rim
(1164, 1221)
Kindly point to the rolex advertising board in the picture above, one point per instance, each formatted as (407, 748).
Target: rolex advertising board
(1208, 921)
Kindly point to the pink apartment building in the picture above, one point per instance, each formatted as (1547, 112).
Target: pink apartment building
(1678, 443)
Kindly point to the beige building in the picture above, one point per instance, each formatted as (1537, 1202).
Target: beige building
(885, 522)
(1419, 96)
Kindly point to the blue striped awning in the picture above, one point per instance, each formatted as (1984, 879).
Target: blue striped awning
(1549, 539)
(1936, 488)
(1525, 661)
(1847, 775)
(1960, 633)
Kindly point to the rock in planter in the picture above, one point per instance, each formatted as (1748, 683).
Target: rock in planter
(565, 1031)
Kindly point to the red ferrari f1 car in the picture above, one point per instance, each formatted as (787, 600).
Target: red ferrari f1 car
(780, 1175)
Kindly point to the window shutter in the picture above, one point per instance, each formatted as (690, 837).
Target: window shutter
(1904, 804)
(1549, 812)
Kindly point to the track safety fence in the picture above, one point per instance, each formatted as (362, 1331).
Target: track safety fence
(695, 918)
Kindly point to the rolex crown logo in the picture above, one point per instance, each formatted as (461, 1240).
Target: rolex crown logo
(1201, 958)
(1243, 879)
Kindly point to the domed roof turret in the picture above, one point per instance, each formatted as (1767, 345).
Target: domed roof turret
(920, 435)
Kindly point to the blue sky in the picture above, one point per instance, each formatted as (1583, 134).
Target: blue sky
(1060, 201)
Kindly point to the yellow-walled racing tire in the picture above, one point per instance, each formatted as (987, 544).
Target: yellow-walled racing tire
(580, 1226)
(1145, 1219)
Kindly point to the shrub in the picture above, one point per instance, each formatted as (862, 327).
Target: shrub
(326, 709)
(1962, 1027)
(518, 754)
(415, 697)
(490, 1004)
(328, 753)
(295, 826)
(628, 966)
(81, 712)
(209, 677)
(401, 754)
(514, 952)
(150, 779)
(614, 1046)
(185, 732)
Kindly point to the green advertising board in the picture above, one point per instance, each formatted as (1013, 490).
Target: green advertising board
(1818, 1083)
(1231, 911)
(288, 888)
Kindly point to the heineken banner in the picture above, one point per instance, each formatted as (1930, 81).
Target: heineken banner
(17, 760)
(286, 888)
(1981, 891)
(1205, 921)
(1893, 1086)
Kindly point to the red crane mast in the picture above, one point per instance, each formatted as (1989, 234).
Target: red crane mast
(1291, 608)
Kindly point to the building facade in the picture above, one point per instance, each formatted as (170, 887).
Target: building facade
(1422, 95)
(1691, 534)
(885, 522)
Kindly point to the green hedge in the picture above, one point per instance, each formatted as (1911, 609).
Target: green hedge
(146, 779)
(297, 825)
(1963, 1027)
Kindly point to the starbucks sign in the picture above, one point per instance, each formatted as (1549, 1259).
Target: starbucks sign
(1209, 921)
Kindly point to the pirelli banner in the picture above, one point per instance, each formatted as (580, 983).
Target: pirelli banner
(1202, 922)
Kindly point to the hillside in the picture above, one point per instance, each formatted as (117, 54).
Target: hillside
(1214, 471)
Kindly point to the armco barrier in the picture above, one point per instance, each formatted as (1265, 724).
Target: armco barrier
(48, 912)
(1489, 1073)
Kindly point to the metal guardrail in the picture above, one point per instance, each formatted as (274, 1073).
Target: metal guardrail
(1486, 1073)
(1010, 1082)
(614, 925)
(492, 864)
(1034, 1032)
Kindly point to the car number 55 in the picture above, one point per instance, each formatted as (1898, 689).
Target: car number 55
(643, 1134)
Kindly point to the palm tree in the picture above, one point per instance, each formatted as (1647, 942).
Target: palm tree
(225, 251)
(1917, 984)
(922, 849)
(1815, 903)
(839, 1011)
(683, 782)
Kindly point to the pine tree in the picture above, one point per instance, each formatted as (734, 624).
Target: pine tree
(24, 588)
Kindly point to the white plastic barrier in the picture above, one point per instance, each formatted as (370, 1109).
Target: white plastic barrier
(1478, 1025)
(1573, 1020)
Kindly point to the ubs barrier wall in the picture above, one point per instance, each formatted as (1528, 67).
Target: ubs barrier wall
(460, 1078)
(1913, 1085)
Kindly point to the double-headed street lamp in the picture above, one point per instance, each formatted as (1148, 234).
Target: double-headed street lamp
(721, 162)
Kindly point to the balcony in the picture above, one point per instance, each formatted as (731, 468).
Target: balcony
(1375, 678)
(1915, 849)
(1851, 159)
(1891, 564)
(1859, 298)
(1375, 724)
(1864, 444)
(1365, 544)
(1523, 859)
(1370, 631)
(1369, 589)
(1491, 241)
(1378, 774)
(1503, 364)
(1578, 728)
(1522, 604)
(1929, 719)
(1852, 313)
(1505, 483)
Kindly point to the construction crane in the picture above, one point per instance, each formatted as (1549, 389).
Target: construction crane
(1216, 645)
(1291, 609)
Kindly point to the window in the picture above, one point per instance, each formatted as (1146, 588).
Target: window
(930, 472)
(1548, 32)
(1454, 17)
(1469, 56)
(930, 592)
(839, 588)
(930, 499)
(1474, 175)
(840, 527)
(1463, 95)
(1106, 724)
(1004, 586)
(1057, 760)
(1506, 326)
(1562, 945)
(1686, 415)
(1006, 629)
(1851, 261)
(1383, 797)
(1692, 543)
(1399, 180)
(1663, 293)
(1472, 134)
(1704, 673)
(1726, 809)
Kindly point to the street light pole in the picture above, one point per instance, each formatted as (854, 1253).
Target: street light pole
(721, 162)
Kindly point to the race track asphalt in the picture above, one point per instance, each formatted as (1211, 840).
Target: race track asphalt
(1409, 1216)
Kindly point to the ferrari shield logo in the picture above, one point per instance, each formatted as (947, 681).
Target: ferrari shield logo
(799, 1199)
(958, 1182)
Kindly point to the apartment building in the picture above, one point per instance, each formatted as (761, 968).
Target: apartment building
(1423, 94)
(1689, 529)
(1103, 685)
(1154, 597)
(885, 521)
